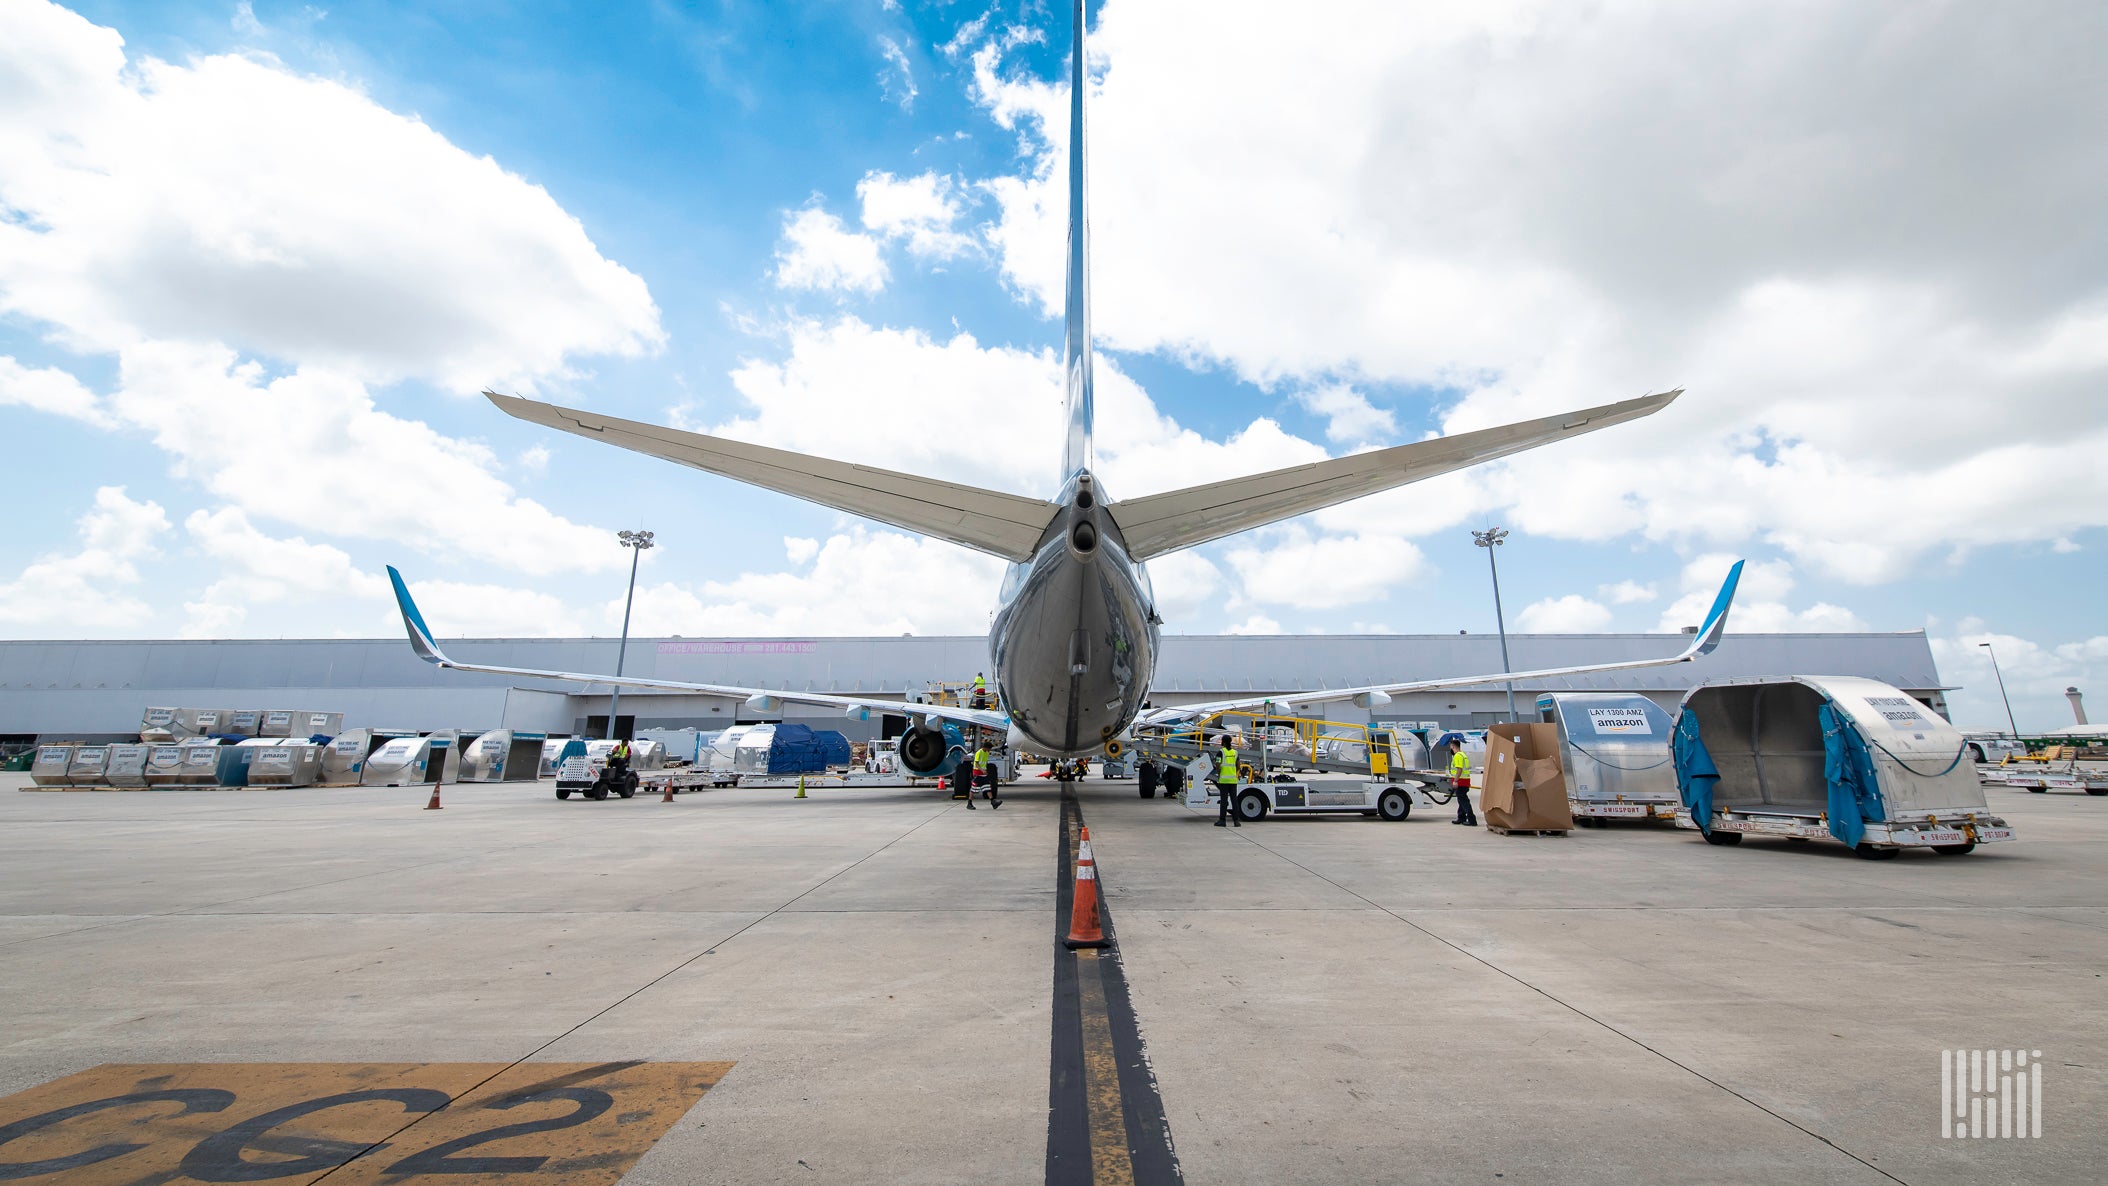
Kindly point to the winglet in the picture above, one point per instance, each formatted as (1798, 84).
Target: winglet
(1715, 623)
(414, 622)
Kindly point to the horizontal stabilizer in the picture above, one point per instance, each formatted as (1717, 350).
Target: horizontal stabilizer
(1158, 523)
(1006, 525)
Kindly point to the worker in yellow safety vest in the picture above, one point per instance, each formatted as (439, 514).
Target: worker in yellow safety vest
(1460, 781)
(980, 691)
(984, 776)
(1226, 784)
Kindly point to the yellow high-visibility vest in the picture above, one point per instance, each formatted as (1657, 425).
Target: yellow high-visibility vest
(980, 758)
(1460, 764)
(1229, 764)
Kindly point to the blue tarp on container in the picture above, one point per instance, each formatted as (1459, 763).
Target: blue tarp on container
(1848, 767)
(1696, 776)
(801, 749)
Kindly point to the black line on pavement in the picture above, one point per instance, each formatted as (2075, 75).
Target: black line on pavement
(1150, 1151)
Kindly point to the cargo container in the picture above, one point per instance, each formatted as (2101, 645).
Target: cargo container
(1615, 747)
(503, 755)
(402, 762)
(281, 762)
(344, 758)
(89, 765)
(1827, 757)
(48, 768)
(127, 765)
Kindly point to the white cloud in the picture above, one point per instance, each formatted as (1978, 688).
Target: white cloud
(1349, 417)
(818, 252)
(922, 210)
(897, 81)
(861, 582)
(1571, 614)
(1513, 202)
(1297, 569)
(1627, 592)
(2036, 675)
(91, 589)
(258, 569)
(332, 461)
(232, 200)
(821, 398)
(1184, 582)
(467, 610)
(1256, 624)
(48, 389)
(800, 550)
(1760, 600)
(258, 248)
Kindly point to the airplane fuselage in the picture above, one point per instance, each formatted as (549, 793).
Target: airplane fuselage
(1075, 634)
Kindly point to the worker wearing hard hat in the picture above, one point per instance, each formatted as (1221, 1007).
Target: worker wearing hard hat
(1226, 784)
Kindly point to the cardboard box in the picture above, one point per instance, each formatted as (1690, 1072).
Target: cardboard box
(1525, 779)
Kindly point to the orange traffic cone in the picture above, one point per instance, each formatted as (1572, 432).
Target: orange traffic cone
(434, 804)
(669, 792)
(1084, 928)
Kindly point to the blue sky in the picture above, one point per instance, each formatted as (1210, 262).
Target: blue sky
(256, 261)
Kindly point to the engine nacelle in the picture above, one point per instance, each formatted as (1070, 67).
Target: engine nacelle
(932, 750)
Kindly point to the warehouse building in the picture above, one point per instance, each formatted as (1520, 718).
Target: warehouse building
(99, 690)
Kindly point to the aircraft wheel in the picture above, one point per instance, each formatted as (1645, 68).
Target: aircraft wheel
(1394, 805)
(1150, 793)
(1251, 806)
(1723, 839)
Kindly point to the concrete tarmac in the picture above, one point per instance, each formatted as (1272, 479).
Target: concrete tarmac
(1323, 1000)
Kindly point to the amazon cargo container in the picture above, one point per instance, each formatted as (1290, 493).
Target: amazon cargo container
(1827, 757)
(1615, 746)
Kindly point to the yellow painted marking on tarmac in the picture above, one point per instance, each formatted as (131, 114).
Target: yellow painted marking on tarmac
(1110, 1163)
(464, 1124)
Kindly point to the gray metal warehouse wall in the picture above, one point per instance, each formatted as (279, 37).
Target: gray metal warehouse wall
(98, 687)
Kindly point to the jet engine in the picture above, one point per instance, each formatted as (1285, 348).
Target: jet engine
(932, 750)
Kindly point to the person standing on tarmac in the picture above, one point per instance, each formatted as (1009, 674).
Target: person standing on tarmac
(984, 773)
(980, 690)
(1226, 785)
(1460, 781)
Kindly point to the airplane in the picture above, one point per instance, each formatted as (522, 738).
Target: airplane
(1074, 638)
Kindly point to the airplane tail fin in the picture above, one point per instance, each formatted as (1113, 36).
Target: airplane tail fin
(1006, 525)
(1158, 523)
(1076, 341)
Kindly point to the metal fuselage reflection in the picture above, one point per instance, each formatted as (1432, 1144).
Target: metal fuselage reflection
(1075, 634)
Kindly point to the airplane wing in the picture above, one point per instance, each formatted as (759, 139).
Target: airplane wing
(1158, 523)
(855, 707)
(1006, 525)
(1708, 638)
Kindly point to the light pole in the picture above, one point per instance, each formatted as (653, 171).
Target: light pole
(639, 540)
(1490, 539)
(2002, 690)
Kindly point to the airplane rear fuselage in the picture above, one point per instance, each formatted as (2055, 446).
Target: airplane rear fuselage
(1075, 635)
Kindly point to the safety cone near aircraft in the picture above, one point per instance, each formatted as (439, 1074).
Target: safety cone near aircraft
(669, 792)
(801, 788)
(1084, 927)
(433, 804)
